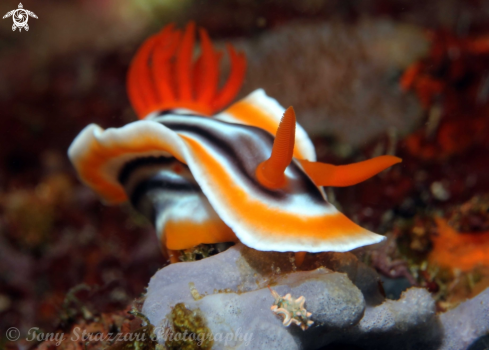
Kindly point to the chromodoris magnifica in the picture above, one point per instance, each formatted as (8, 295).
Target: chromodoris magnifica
(248, 173)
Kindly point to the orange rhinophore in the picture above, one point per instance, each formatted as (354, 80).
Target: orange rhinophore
(270, 173)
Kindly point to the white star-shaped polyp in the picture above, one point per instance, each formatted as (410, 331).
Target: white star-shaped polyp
(291, 310)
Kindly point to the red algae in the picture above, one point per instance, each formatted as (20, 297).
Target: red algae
(457, 250)
(453, 92)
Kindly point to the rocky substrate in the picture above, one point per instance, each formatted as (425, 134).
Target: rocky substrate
(231, 293)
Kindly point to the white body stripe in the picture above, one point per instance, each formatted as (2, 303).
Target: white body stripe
(237, 150)
(275, 111)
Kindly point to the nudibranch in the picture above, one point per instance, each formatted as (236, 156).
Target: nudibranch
(248, 173)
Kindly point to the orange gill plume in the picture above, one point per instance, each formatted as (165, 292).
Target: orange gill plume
(163, 74)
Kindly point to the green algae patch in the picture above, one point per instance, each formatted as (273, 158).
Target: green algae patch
(141, 339)
(188, 330)
(203, 251)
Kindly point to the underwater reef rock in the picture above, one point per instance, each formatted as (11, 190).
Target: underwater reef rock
(229, 291)
(342, 79)
(467, 323)
(407, 323)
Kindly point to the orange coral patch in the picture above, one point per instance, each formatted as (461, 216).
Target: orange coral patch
(455, 250)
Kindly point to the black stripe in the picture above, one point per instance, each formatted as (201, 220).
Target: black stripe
(175, 112)
(229, 151)
(165, 112)
(233, 155)
(161, 184)
(131, 166)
